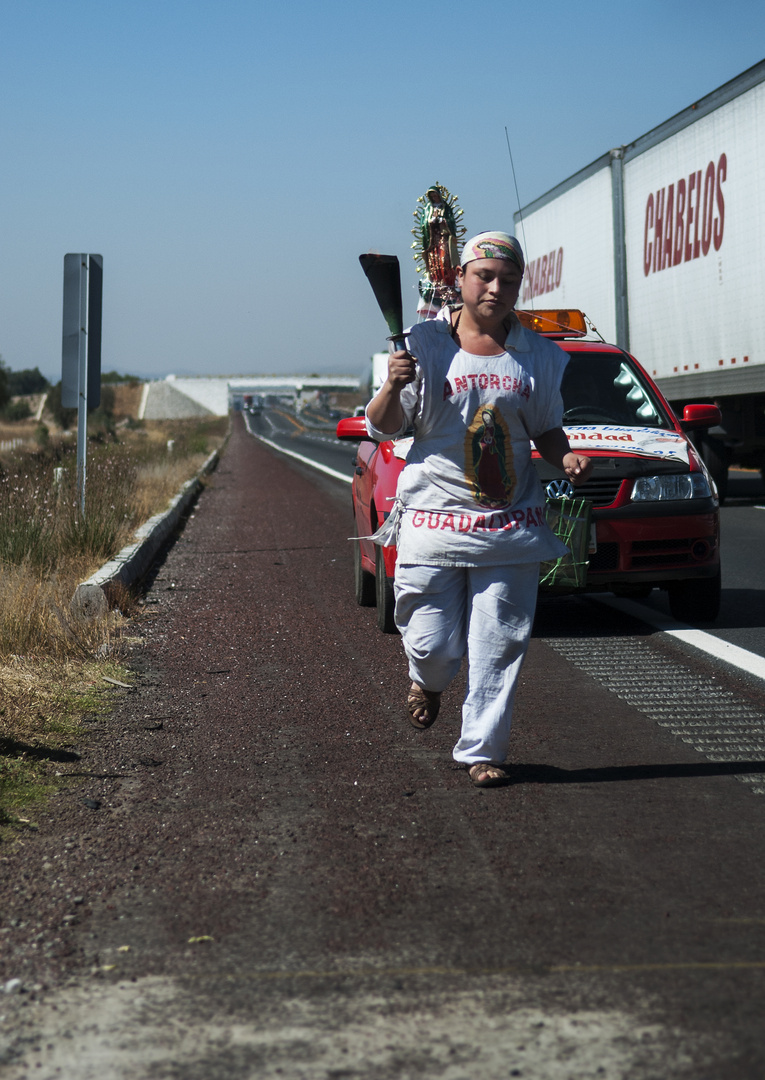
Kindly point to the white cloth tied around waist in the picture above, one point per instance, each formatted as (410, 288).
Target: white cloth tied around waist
(387, 534)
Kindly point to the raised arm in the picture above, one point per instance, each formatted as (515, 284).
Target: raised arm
(384, 410)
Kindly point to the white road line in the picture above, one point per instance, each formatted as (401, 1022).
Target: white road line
(299, 457)
(699, 639)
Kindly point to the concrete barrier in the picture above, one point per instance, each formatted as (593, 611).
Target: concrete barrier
(92, 598)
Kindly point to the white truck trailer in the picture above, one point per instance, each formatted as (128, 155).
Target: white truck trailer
(662, 244)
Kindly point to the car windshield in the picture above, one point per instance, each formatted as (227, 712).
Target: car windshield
(603, 388)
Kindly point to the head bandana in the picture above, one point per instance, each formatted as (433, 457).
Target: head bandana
(493, 245)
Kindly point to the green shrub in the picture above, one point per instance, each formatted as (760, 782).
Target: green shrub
(28, 381)
(17, 410)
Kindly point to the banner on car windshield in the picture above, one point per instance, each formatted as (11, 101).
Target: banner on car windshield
(645, 442)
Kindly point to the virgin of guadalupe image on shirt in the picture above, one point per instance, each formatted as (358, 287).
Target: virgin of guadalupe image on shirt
(489, 459)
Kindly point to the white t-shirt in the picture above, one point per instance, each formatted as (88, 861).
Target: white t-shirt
(469, 494)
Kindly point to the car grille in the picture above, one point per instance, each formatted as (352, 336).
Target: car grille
(600, 490)
(647, 553)
(605, 558)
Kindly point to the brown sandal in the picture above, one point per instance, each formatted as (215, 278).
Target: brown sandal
(422, 706)
(485, 769)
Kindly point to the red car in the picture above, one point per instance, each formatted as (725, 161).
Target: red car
(655, 511)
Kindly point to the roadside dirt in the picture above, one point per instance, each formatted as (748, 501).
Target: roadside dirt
(263, 870)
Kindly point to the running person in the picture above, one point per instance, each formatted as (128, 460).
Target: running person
(476, 387)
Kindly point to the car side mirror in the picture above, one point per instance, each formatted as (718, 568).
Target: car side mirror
(352, 427)
(701, 416)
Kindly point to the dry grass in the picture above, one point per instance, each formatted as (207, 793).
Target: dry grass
(47, 546)
(36, 620)
(43, 704)
(127, 398)
(36, 698)
(52, 663)
(47, 693)
(158, 483)
(19, 429)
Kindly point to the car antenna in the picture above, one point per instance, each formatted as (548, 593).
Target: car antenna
(518, 199)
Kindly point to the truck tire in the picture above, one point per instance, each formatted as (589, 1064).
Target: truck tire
(384, 595)
(363, 580)
(695, 601)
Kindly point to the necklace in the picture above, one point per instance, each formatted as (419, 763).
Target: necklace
(455, 335)
(456, 324)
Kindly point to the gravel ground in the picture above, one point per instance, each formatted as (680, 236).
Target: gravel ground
(260, 869)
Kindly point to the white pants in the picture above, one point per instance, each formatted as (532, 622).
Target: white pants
(487, 612)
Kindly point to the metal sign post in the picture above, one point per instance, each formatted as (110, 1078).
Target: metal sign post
(81, 348)
(95, 299)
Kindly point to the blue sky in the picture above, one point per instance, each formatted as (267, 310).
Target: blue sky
(230, 160)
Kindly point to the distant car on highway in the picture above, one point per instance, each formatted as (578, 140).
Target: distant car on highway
(252, 403)
(655, 511)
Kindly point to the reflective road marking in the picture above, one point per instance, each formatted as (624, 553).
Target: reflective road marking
(690, 705)
(739, 658)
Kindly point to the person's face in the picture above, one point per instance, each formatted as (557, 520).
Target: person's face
(490, 287)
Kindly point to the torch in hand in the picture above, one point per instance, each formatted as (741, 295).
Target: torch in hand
(384, 276)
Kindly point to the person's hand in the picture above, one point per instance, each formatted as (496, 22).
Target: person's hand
(402, 368)
(577, 468)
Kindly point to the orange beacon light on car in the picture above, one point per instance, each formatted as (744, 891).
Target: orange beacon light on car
(568, 321)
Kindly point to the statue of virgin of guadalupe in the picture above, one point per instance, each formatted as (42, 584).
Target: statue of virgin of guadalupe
(437, 249)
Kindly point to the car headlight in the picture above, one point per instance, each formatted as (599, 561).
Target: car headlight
(685, 486)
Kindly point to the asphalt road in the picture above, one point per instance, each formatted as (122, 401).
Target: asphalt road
(263, 870)
(741, 620)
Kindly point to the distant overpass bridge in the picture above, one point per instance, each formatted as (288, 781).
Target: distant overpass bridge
(178, 398)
